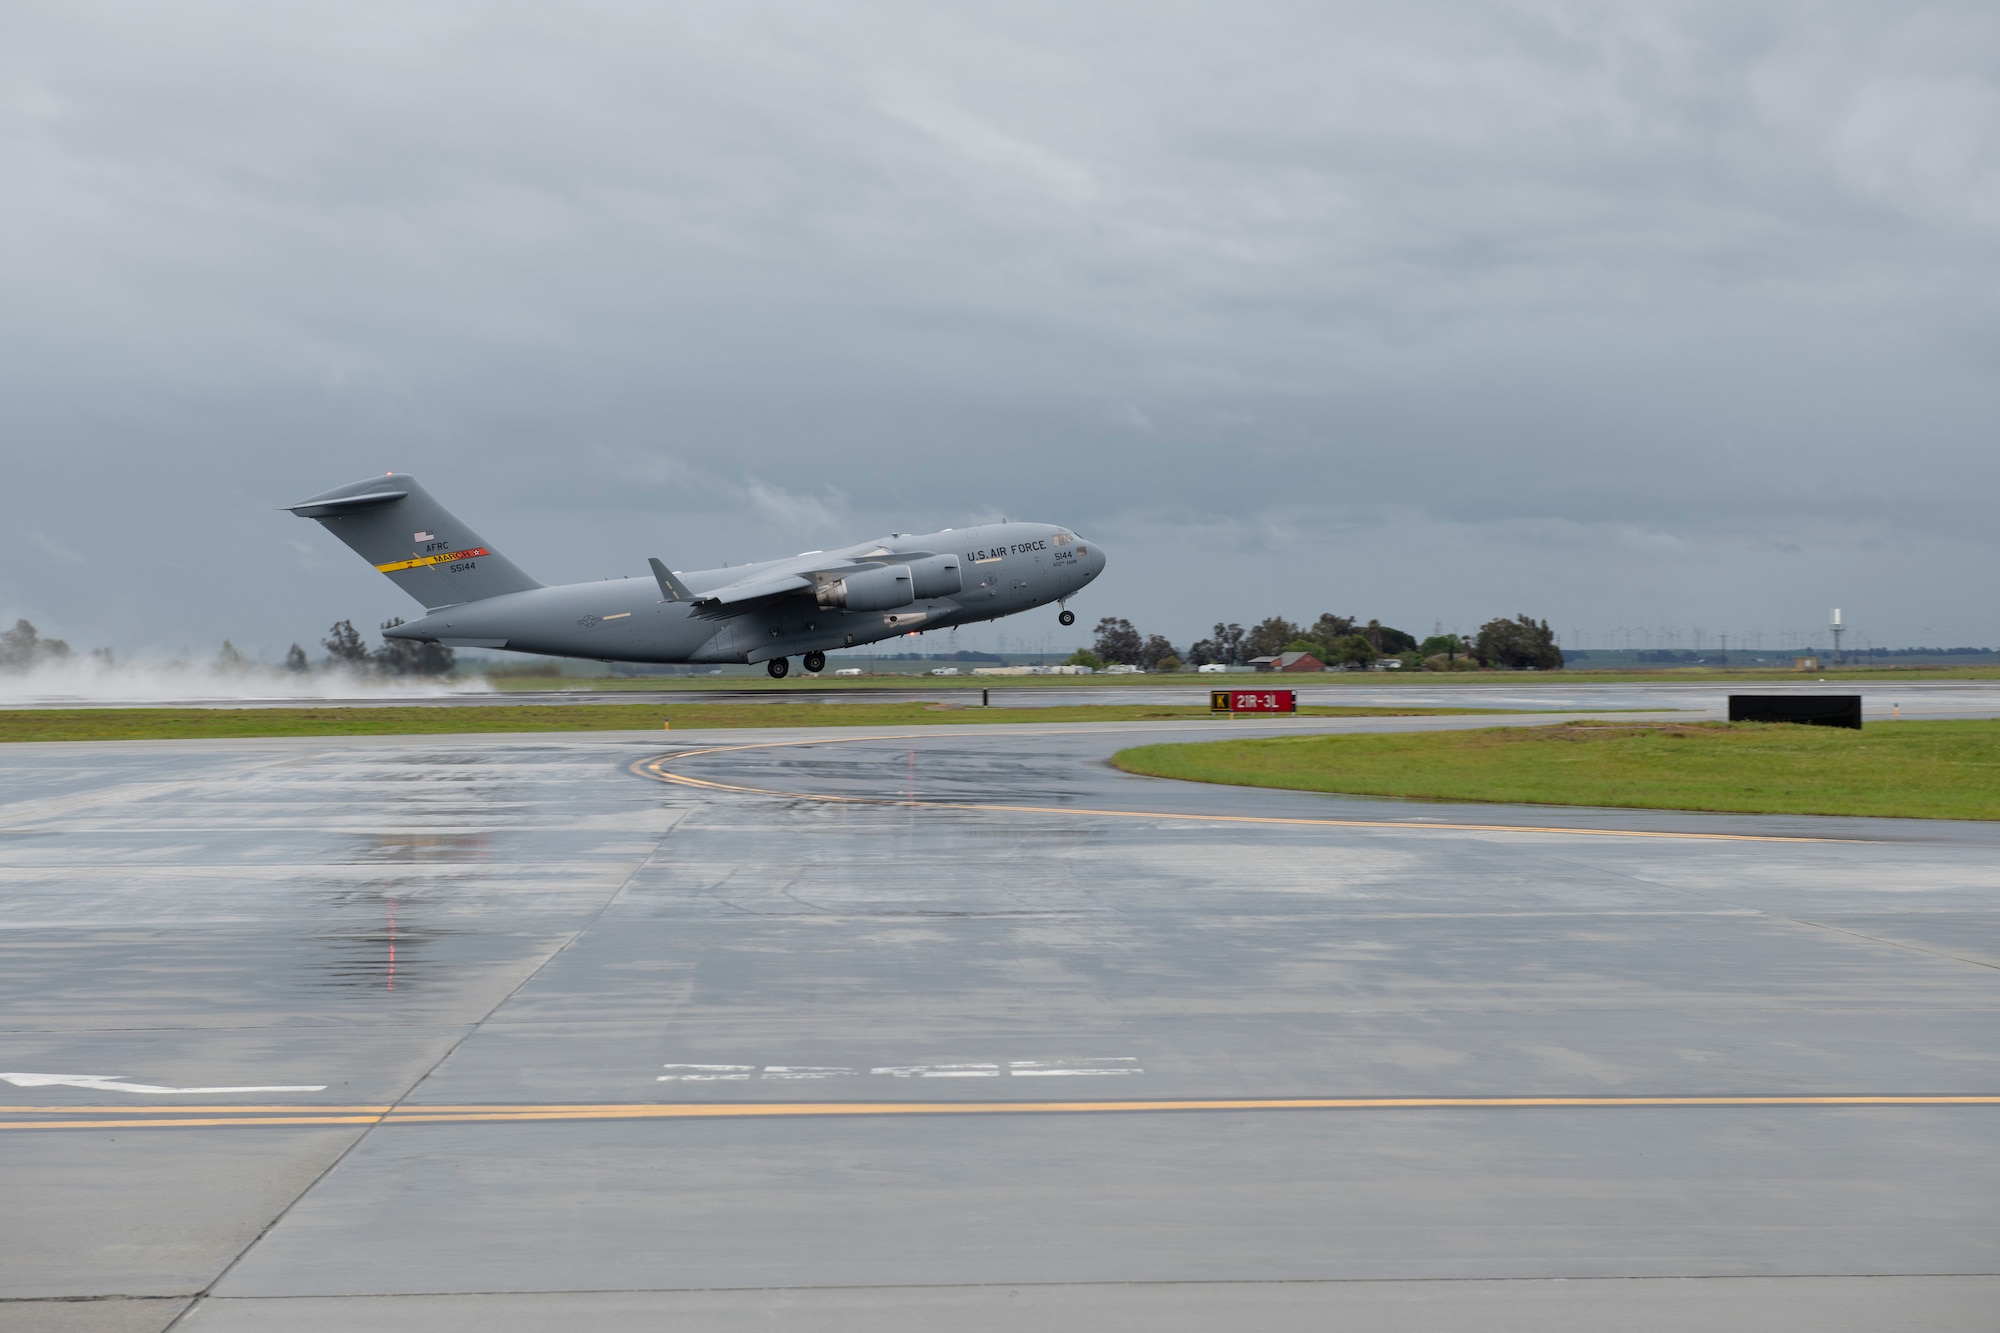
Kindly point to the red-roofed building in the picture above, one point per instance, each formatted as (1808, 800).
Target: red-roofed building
(1288, 662)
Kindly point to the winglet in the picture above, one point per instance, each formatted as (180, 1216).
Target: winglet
(671, 588)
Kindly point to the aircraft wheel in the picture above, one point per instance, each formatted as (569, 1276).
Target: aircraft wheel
(815, 662)
(778, 667)
(1067, 617)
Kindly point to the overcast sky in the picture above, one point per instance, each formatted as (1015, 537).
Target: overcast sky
(1679, 314)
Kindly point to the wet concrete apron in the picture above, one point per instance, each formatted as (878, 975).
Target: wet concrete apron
(596, 1014)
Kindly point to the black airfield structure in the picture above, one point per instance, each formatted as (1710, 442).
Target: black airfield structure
(1814, 710)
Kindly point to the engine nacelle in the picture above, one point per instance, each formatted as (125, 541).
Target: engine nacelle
(887, 587)
(883, 588)
(936, 576)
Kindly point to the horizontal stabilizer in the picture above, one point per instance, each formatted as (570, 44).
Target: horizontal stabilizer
(345, 504)
(393, 523)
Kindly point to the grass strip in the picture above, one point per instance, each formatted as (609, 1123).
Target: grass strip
(1913, 770)
(131, 724)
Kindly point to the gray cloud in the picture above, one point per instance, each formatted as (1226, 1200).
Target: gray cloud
(1607, 313)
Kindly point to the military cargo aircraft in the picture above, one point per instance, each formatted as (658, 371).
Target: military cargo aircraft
(475, 597)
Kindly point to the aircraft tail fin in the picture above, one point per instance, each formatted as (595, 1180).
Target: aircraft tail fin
(671, 588)
(395, 525)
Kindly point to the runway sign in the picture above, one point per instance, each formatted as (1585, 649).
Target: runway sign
(1253, 701)
(1816, 710)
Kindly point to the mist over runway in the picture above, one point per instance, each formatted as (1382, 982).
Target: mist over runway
(592, 1017)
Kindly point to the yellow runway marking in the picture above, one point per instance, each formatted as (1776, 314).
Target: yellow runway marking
(107, 1117)
(656, 769)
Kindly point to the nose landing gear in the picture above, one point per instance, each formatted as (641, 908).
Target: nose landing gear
(779, 668)
(1068, 617)
(814, 661)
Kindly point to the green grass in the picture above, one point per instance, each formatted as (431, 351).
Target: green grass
(129, 724)
(1920, 770)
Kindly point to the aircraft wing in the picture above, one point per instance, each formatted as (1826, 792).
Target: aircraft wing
(752, 590)
(771, 583)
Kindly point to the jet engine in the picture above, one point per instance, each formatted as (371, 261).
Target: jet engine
(887, 587)
(936, 576)
(880, 589)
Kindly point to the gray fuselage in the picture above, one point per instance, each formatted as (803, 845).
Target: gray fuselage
(1003, 568)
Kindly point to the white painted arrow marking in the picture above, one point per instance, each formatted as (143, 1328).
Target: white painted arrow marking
(1092, 1067)
(1116, 1064)
(116, 1083)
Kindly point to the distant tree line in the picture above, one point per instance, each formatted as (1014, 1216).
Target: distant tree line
(1648, 654)
(345, 648)
(1517, 645)
(1522, 643)
(23, 647)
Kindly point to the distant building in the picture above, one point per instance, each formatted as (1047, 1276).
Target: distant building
(1288, 662)
(1805, 664)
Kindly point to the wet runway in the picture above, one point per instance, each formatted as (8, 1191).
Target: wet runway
(590, 1019)
(1910, 699)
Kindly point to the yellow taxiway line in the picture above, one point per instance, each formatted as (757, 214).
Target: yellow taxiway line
(110, 1117)
(656, 769)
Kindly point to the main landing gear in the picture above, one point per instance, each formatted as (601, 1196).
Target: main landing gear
(1068, 617)
(780, 667)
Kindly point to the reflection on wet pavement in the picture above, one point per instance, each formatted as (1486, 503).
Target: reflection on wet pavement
(484, 921)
